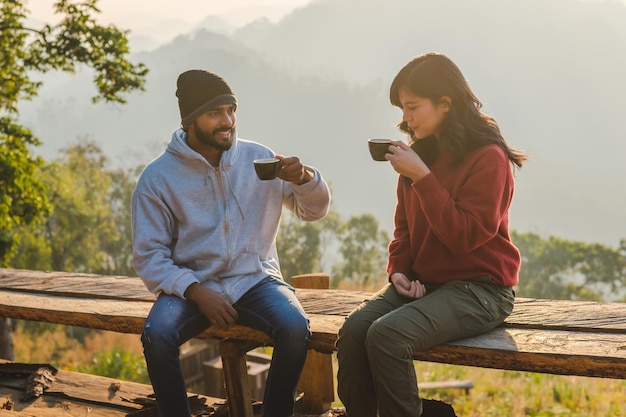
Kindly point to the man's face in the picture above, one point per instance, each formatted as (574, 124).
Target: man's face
(216, 127)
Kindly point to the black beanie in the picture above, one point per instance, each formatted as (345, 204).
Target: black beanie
(199, 91)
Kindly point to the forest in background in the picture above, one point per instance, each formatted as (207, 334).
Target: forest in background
(316, 84)
(88, 230)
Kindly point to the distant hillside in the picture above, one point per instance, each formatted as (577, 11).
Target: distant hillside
(315, 84)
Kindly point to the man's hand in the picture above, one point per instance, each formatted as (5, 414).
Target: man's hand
(406, 288)
(212, 305)
(293, 171)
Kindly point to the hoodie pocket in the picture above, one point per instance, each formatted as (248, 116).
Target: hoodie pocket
(243, 263)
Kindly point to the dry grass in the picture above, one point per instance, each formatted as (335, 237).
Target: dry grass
(498, 393)
(56, 347)
(516, 394)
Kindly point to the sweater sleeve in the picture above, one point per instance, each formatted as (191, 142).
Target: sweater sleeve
(400, 247)
(472, 216)
(309, 201)
(152, 247)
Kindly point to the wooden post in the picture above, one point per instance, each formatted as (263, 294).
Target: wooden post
(233, 354)
(317, 379)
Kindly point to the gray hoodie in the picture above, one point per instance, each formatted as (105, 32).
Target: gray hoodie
(193, 222)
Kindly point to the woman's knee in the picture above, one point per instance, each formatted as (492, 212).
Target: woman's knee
(384, 338)
(353, 331)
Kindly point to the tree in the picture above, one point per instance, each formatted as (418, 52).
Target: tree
(302, 246)
(298, 246)
(364, 251)
(88, 229)
(22, 195)
(563, 269)
(119, 248)
(77, 40)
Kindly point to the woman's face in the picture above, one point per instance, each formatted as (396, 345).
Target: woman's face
(422, 115)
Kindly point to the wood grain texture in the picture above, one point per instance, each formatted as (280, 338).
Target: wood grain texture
(236, 378)
(317, 378)
(77, 394)
(553, 336)
(536, 313)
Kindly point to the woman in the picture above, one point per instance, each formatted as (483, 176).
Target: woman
(452, 265)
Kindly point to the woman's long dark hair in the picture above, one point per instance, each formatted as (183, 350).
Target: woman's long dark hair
(465, 128)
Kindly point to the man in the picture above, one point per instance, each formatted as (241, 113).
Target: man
(204, 229)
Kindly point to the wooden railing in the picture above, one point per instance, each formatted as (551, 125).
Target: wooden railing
(550, 336)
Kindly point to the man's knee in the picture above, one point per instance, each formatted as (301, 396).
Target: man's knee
(157, 335)
(294, 327)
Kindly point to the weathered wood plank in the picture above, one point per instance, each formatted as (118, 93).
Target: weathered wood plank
(103, 314)
(129, 316)
(236, 378)
(553, 351)
(317, 378)
(75, 284)
(96, 286)
(568, 315)
(561, 337)
(53, 407)
(528, 313)
(75, 394)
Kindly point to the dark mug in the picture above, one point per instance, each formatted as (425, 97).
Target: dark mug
(267, 168)
(378, 148)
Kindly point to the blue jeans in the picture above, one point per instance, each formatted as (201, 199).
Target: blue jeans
(271, 307)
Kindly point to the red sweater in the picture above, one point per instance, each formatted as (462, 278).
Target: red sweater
(453, 224)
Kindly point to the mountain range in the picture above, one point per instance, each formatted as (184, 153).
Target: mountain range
(315, 84)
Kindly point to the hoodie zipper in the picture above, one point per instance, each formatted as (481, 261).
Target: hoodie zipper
(220, 184)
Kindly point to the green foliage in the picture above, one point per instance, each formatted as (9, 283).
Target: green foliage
(304, 247)
(22, 194)
(117, 363)
(119, 245)
(300, 244)
(24, 51)
(364, 251)
(563, 269)
(15, 58)
(36, 329)
(76, 39)
(88, 228)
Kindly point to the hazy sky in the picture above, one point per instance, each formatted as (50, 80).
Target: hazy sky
(116, 11)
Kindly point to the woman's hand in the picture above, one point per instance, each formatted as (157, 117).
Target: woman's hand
(407, 288)
(406, 162)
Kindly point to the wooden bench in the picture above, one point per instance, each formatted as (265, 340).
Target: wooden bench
(77, 394)
(548, 336)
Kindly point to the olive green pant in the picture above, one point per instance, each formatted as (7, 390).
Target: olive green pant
(376, 375)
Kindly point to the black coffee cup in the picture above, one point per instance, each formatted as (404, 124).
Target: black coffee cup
(267, 168)
(378, 148)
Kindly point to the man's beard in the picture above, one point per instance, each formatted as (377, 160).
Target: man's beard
(208, 138)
